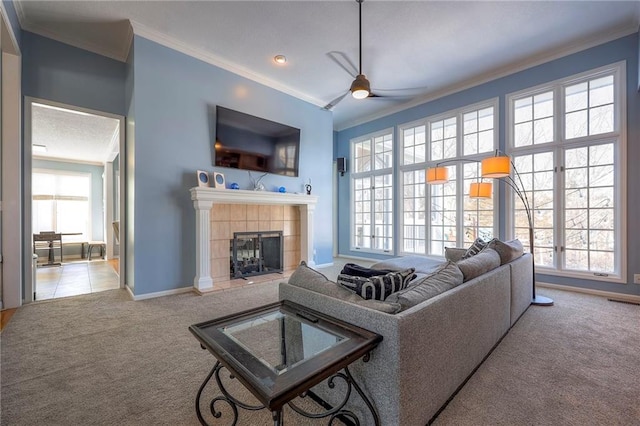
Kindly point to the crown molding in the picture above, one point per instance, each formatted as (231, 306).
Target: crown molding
(497, 73)
(174, 44)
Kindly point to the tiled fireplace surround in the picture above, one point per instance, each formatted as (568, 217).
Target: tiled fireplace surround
(220, 213)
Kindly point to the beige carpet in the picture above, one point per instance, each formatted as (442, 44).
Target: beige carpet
(101, 359)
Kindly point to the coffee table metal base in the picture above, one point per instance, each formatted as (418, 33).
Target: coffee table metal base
(332, 413)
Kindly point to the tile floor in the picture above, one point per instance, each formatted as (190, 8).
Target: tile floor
(72, 279)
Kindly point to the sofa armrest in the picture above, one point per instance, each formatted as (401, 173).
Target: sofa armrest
(521, 285)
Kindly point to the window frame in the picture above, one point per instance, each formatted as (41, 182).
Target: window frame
(459, 160)
(372, 174)
(558, 147)
(89, 200)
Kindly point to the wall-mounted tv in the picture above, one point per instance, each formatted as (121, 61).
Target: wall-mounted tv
(252, 143)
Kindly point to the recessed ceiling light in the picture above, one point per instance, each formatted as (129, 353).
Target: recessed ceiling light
(39, 148)
(280, 59)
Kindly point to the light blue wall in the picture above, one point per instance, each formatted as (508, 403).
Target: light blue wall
(62, 73)
(175, 98)
(623, 49)
(97, 216)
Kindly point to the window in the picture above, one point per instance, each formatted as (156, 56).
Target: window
(61, 203)
(566, 142)
(458, 140)
(372, 192)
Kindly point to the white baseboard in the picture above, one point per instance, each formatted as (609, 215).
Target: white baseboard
(324, 265)
(608, 294)
(158, 293)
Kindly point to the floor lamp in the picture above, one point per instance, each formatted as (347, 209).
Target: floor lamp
(499, 167)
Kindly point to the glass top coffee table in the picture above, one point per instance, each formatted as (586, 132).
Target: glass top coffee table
(278, 352)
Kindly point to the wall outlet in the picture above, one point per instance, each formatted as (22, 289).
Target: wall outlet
(636, 278)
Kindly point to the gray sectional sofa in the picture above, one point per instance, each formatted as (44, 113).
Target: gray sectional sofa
(429, 349)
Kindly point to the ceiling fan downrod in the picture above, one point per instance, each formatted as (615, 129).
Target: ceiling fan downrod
(360, 88)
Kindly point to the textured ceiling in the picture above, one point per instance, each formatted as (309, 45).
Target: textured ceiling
(73, 135)
(430, 47)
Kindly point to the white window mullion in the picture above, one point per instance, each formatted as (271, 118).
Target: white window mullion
(588, 189)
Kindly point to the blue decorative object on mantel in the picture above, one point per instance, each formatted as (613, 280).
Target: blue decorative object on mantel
(282, 189)
(234, 186)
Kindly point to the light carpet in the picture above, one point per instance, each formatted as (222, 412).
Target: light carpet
(102, 359)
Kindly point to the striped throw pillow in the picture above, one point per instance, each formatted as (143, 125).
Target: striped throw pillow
(475, 248)
(377, 287)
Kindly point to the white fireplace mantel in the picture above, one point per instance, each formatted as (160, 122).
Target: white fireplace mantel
(203, 200)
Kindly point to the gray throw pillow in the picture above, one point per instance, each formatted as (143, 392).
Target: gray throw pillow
(476, 247)
(313, 280)
(445, 278)
(378, 287)
(479, 264)
(508, 250)
(454, 253)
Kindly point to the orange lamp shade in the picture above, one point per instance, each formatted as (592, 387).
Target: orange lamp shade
(496, 167)
(437, 175)
(480, 190)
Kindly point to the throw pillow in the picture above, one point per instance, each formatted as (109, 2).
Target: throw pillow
(454, 253)
(313, 280)
(361, 271)
(479, 264)
(377, 287)
(475, 248)
(445, 278)
(508, 250)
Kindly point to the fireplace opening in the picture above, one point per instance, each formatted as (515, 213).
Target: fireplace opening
(256, 253)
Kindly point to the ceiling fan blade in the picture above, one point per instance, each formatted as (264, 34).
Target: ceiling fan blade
(402, 89)
(377, 96)
(335, 102)
(343, 62)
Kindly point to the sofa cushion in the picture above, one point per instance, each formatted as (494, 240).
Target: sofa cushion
(378, 287)
(313, 280)
(445, 278)
(475, 248)
(421, 264)
(361, 271)
(454, 253)
(508, 250)
(477, 265)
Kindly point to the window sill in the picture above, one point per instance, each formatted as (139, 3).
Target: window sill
(611, 278)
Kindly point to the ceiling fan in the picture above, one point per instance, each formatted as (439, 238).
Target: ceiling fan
(360, 87)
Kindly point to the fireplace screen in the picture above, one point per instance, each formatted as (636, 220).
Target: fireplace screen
(256, 253)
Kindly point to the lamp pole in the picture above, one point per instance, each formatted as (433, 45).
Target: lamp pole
(536, 299)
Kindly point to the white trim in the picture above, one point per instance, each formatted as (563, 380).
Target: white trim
(64, 160)
(14, 272)
(323, 265)
(159, 293)
(495, 74)
(459, 160)
(372, 174)
(26, 190)
(611, 278)
(608, 294)
(212, 59)
(559, 145)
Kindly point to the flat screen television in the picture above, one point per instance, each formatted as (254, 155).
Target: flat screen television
(247, 142)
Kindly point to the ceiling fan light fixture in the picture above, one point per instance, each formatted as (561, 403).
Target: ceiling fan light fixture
(360, 88)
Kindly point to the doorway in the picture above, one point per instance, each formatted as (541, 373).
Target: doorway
(73, 200)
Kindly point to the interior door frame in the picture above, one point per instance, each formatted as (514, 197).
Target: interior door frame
(27, 193)
(11, 240)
